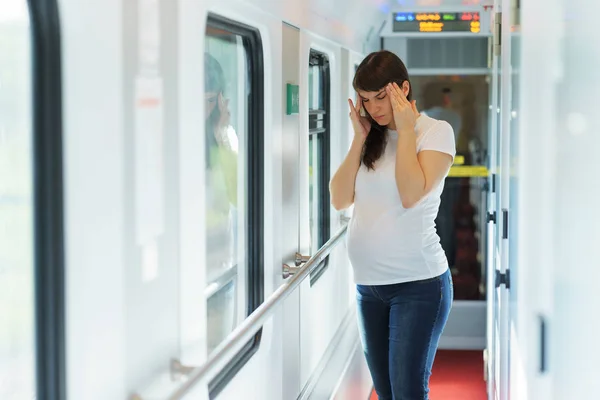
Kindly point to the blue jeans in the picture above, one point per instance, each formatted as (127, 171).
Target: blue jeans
(400, 327)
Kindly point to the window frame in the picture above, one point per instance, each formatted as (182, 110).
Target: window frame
(254, 217)
(320, 59)
(48, 205)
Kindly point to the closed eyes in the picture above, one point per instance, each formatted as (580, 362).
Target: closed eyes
(381, 96)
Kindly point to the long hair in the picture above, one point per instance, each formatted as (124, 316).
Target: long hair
(374, 72)
(214, 81)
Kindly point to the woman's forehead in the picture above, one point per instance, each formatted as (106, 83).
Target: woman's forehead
(369, 95)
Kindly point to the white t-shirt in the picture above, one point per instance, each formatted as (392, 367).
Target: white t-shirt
(387, 243)
(448, 115)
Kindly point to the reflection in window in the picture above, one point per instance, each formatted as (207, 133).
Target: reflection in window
(17, 354)
(233, 191)
(224, 132)
(318, 155)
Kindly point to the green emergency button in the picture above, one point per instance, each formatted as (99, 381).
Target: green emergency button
(293, 99)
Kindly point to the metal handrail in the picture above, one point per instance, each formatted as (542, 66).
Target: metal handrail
(236, 340)
(221, 281)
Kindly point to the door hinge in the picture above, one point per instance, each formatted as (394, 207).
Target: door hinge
(498, 34)
(503, 278)
(504, 224)
(491, 216)
(516, 12)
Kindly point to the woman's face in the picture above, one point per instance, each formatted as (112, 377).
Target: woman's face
(211, 101)
(217, 109)
(379, 106)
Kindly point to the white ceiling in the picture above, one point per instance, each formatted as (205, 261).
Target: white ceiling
(352, 22)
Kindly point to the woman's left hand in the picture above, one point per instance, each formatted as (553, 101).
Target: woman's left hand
(224, 110)
(405, 112)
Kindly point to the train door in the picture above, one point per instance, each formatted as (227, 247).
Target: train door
(291, 205)
(494, 214)
(317, 317)
(516, 331)
(499, 281)
(32, 340)
(503, 275)
(491, 330)
(321, 310)
(544, 102)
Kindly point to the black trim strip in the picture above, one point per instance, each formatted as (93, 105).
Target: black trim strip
(543, 368)
(255, 177)
(324, 158)
(48, 201)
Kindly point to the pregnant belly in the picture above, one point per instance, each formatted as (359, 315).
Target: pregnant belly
(385, 241)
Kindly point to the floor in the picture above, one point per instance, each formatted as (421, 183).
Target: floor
(456, 375)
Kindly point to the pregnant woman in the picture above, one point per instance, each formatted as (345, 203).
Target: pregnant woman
(394, 175)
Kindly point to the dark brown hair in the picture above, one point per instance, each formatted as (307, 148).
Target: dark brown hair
(214, 81)
(374, 72)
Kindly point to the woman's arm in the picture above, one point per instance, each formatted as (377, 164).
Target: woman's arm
(416, 174)
(341, 186)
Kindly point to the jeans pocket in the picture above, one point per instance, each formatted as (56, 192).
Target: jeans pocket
(450, 288)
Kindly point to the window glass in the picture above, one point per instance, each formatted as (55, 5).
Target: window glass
(234, 187)
(17, 330)
(226, 124)
(315, 97)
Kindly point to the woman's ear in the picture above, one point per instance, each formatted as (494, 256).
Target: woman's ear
(406, 88)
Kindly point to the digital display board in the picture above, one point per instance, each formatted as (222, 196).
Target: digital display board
(437, 22)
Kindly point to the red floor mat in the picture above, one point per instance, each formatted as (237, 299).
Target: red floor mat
(456, 375)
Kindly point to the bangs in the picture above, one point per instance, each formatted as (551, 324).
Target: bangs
(369, 79)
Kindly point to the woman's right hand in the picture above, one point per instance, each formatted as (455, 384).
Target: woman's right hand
(361, 125)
